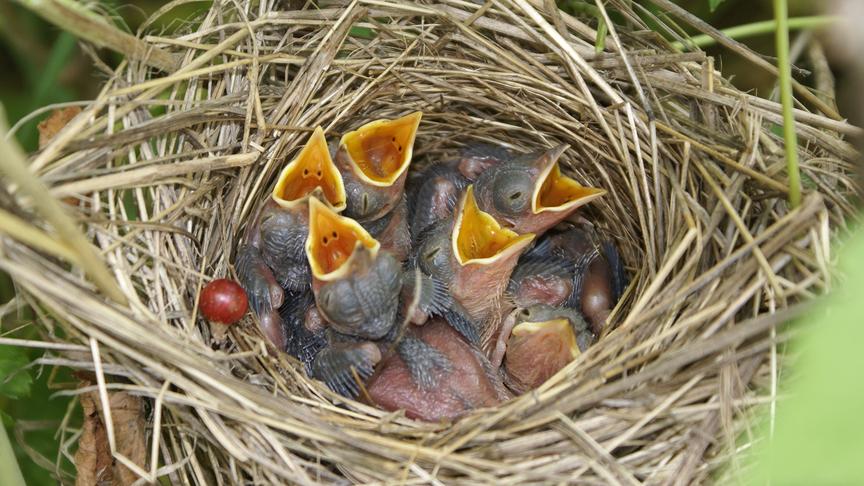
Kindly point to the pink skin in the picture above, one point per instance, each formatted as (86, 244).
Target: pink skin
(597, 295)
(472, 167)
(271, 324)
(468, 385)
(480, 289)
(497, 352)
(313, 320)
(543, 289)
(534, 358)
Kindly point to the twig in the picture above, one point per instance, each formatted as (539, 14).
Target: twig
(13, 164)
(151, 175)
(27, 234)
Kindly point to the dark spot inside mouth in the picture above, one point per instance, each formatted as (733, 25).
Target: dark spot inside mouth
(305, 172)
(325, 240)
(335, 235)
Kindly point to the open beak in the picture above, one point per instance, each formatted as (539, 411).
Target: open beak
(485, 254)
(311, 171)
(332, 242)
(556, 336)
(555, 192)
(380, 151)
(538, 350)
(479, 239)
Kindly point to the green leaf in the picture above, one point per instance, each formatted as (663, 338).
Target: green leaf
(15, 380)
(362, 32)
(6, 420)
(713, 4)
(61, 53)
(819, 432)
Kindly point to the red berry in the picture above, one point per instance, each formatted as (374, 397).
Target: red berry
(223, 301)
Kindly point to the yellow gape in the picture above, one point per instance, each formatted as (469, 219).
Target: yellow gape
(331, 241)
(558, 192)
(478, 238)
(381, 150)
(312, 169)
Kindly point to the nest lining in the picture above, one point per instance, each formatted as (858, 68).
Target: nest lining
(166, 169)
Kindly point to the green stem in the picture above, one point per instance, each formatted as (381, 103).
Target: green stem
(602, 30)
(759, 28)
(785, 69)
(10, 473)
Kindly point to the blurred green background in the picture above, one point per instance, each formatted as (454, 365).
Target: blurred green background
(41, 65)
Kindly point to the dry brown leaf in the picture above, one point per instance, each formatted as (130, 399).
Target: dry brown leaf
(93, 458)
(51, 126)
(55, 122)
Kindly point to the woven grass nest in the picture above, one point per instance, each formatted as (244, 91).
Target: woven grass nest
(165, 169)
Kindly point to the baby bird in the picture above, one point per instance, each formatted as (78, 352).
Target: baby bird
(357, 288)
(529, 194)
(374, 162)
(541, 279)
(464, 379)
(598, 274)
(331, 243)
(434, 190)
(365, 301)
(271, 259)
(305, 328)
(433, 195)
(473, 256)
(543, 340)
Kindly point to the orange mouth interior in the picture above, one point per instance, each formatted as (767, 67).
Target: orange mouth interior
(559, 191)
(332, 239)
(312, 168)
(478, 236)
(382, 149)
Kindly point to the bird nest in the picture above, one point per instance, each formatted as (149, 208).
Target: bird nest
(166, 168)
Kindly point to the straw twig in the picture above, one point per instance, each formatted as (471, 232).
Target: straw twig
(13, 164)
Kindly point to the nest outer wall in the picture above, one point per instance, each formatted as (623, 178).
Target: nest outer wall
(166, 169)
